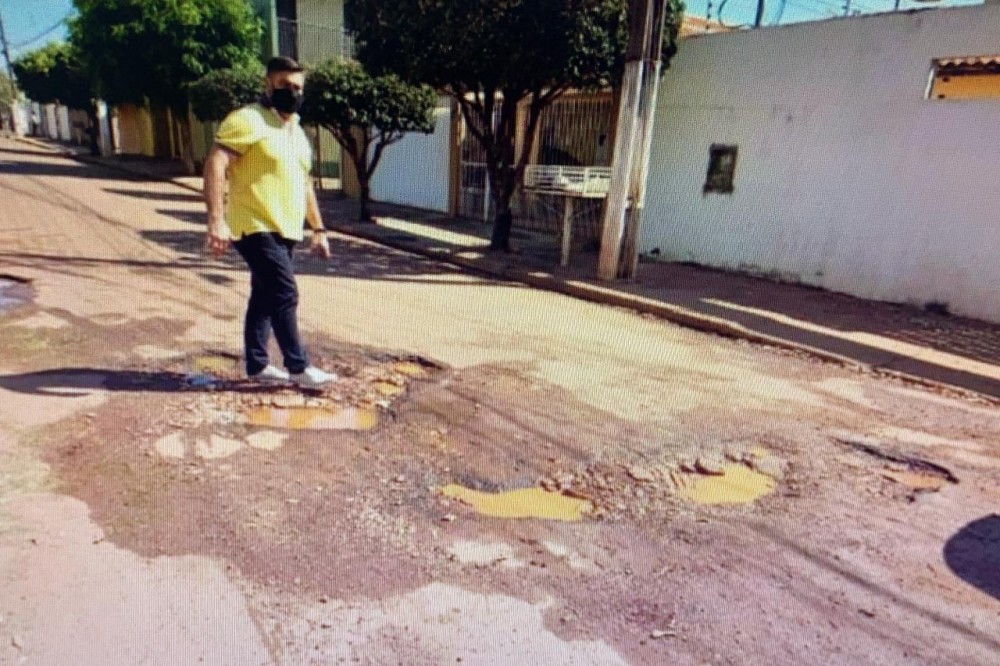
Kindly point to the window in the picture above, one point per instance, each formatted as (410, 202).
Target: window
(975, 77)
(721, 169)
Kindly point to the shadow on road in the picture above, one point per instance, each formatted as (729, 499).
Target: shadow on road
(351, 259)
(155, 196)
(973, 553)
(64, 170)
(77, 382)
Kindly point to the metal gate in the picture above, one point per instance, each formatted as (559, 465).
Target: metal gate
(573, 131)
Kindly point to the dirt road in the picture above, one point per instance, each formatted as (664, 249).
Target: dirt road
(155, 509)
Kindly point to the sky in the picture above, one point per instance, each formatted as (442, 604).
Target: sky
(31, 24)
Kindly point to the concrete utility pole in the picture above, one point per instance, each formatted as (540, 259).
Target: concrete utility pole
(6, 50)
(623, 209)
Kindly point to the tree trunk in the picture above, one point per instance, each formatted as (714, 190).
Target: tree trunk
(364, 198)
(187, 147)
(500, 238)
(94, 131)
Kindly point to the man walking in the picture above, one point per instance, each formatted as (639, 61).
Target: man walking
(266, 156)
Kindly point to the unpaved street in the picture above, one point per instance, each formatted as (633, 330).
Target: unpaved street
(155, 509)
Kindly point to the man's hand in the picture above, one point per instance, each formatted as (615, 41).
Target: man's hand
(218, 238)
(319, 245)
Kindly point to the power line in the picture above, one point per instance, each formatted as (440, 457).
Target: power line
(42, 34)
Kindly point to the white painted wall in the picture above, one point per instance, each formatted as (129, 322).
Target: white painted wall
(50, 121)
(415, 171)
(847, 177)
(64, 126)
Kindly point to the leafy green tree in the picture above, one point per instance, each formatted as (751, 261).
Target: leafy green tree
(150, 51)
(55, 74)
(8, 95)
(218, 93)
(365, 114)
(8, 91)
(493, 56)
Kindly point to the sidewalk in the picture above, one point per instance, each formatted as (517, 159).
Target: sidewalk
(924, 347)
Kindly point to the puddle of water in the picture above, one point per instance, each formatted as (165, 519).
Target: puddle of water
(737, 484)
(12, 294)
(388, 389)
(410, 369)
(210, 363)
(524, 503)
(915, 480)
(312, 418)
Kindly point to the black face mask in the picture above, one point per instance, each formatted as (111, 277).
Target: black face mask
(286, 100)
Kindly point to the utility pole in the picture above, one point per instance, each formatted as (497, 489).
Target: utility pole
(760, 14)
(6, 49)
(623, 209)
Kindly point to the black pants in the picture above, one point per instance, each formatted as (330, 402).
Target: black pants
(274, 298)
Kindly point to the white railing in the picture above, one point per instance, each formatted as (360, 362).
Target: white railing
(570, 181)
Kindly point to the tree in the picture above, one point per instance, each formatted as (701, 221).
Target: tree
(55, 74)
(496, 57)
(150, 51)
(218, 93)
(365, 114)
(8, 91)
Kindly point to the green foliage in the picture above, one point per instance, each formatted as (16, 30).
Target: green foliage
(365, 113)
(490, 55)
(55, 73)
(8, 91)
(218, 93)
(341, 95)
(153, 49)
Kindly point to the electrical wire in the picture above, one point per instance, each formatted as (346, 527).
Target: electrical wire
(34, 39)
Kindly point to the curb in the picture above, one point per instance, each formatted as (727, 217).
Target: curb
(592, 293)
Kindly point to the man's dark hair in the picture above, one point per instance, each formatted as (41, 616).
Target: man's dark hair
(283, 64)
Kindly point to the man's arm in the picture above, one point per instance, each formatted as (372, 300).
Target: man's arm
(216, 165)
(320, 244)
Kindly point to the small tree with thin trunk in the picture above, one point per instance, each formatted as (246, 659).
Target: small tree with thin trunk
(493, 56)
(365, 114)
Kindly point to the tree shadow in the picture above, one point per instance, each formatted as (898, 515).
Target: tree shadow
(973, 553)
(66, 170)
(77, 382)
(351, 258)
(155, 196)
(190, 216)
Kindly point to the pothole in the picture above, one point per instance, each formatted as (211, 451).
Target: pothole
(214, 364)
(523, 503)
(737, 484)
(312, 418)
(14, 292)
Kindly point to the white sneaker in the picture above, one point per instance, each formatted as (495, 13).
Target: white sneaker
(313, 377)
(270, 374)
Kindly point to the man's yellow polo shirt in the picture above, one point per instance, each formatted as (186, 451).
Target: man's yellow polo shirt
(268, 181)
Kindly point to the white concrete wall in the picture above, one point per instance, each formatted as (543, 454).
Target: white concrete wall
(847, 177)
(63, 124)
(50, 121)
(415, 171)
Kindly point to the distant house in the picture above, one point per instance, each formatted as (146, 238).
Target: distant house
(857, 154)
